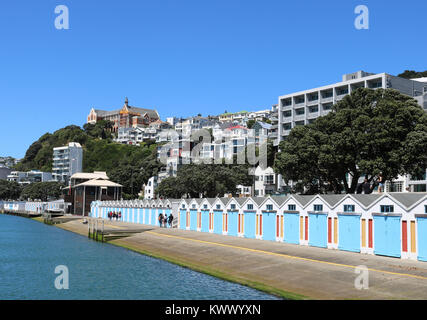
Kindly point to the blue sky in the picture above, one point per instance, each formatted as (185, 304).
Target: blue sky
(187, 57)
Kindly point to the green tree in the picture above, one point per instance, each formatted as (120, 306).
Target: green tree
(367, 133)
(42, 191)
(411, 74)
(101, 129)
(169, 188)
(250, 123)
(10, 190)
(209, 180)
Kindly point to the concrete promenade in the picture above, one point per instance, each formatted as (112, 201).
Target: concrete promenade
(314, 273)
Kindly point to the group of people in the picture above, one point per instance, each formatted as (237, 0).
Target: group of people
(164, 220)
(114, 215)
(366, 187)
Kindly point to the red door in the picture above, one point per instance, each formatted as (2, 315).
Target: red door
(277, 226)
(329, 230)
(370, 233)
(404, 236)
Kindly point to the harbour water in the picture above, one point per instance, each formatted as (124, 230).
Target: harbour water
(30, 251)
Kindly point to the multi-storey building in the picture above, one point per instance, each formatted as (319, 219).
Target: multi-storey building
(29, 177)
(127, 116)
(150, 188)
(67, 161)
(304, 107)
(138, 134)
(265, 182)
(274, 117)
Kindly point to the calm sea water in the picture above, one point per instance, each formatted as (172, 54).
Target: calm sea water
(30, 251)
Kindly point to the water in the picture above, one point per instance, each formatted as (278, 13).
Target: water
(30, 251)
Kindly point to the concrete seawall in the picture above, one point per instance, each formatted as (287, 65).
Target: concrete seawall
(287, 270)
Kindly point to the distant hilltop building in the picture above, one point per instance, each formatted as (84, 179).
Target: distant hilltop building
(67, 161)
(125, 117)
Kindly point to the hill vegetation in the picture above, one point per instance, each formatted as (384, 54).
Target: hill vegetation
(128, 165)
(411, 74)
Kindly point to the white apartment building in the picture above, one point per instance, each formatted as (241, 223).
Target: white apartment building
(67, 161)
(265, 181)
(29, 177)
(227, 142)
(304, 107)
(150, 188)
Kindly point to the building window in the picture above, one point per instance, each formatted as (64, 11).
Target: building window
(194, 206)
(286, 102)
(183, 206)
(425, 209)
(313, 109)
(233, 207)
(205, 206)
(420, 188)
(218, 206)
(287, 113)
(327, 106)
(300, 111)
(292, 207)
(300, 99)
(251, 206)
(318, 207)
(387, 209)
(327, 94)
(349, 208)
(394, 186)
(269, 207)
(287, 126)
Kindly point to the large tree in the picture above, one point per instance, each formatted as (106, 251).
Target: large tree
(367, 133)
(42, 191)
(209, 180)
(9, 190)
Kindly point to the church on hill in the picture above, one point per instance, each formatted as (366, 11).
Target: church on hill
(125, 117)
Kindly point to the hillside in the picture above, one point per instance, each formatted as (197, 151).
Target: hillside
(128, 165)
(411, 74)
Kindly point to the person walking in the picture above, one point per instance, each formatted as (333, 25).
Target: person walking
(161, 219)
(170, 220)
(120, 216)
(165, 221)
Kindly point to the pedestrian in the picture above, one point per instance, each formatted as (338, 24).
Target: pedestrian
(170, 220)
(109, 215)
(120, 215)
(160, 219)
(165, 220)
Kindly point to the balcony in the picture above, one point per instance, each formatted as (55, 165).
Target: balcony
(286, 132)
(299, 117)
(313, 115)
